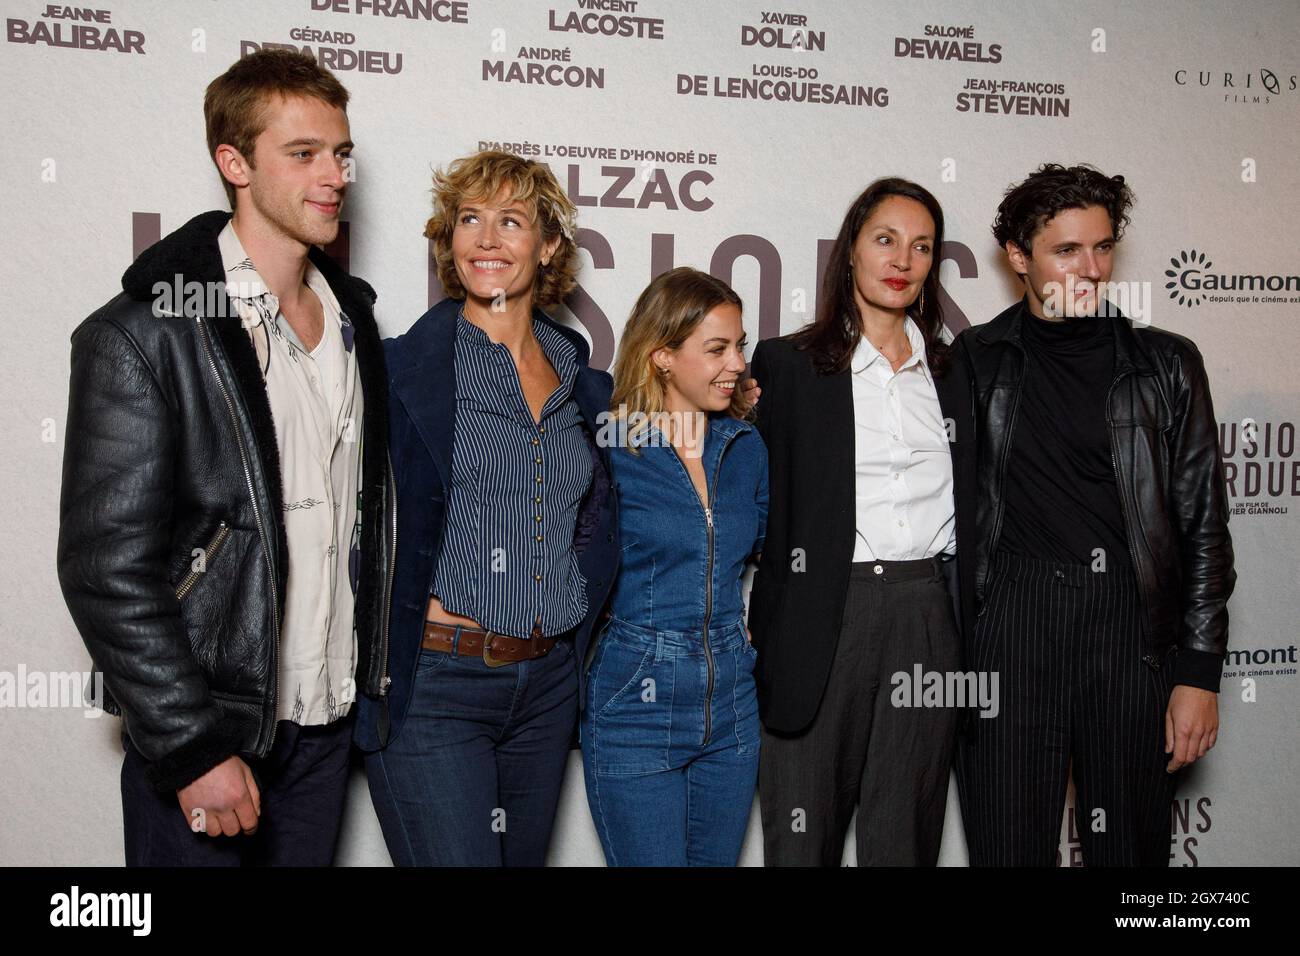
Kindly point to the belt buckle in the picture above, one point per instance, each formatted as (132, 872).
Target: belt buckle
(488, 659)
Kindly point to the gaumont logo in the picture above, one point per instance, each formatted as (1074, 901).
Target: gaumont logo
(1191, 281)
(1260, 86)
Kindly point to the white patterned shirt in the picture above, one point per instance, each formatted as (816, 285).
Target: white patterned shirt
(316, 404)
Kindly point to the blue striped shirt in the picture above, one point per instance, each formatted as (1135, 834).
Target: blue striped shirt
(507, 557)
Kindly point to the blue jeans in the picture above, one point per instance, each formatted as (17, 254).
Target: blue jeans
(474, 776)
(662, 791)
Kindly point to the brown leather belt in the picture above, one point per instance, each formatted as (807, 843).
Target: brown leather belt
(497, 649)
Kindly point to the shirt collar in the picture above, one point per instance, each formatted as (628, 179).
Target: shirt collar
(243, 282)
(721, 425)
(866, 354)
(558, 350)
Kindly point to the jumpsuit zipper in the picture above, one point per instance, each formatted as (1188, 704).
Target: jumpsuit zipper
(708, 581)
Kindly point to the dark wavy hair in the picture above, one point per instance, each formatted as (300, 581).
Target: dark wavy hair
(1053, 188)
(837, 328)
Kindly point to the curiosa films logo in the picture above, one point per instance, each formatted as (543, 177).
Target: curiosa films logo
(1192, 279)
(1261, 86)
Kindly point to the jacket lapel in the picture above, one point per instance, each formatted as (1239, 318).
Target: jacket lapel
(425, 382)
(834, 408)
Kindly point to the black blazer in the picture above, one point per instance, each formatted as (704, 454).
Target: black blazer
(806, 419)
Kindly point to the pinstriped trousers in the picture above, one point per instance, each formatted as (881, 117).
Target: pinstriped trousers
(1066, 644)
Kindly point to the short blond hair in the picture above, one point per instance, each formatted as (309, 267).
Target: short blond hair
(481, 177)
(235, 104)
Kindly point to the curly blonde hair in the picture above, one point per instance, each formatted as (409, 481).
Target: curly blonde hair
(479, 178)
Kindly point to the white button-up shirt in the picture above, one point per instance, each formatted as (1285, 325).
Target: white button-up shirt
(902, 463)
(316, 404)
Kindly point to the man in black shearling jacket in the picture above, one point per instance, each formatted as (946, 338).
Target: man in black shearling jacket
(228, 410)
(1103, 560)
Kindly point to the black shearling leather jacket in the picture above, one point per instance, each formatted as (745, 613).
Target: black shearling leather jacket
(1169, 471)
(170, 447)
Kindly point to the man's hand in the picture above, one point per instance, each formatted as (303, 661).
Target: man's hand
(226, 800)
(1191, 725)
(749, 392)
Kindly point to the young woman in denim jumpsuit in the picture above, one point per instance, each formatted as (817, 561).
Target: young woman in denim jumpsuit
(670, 736)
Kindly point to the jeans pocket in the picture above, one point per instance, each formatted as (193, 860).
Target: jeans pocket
(616, 674)
(745, 703)
(630, 700)
(430, 661)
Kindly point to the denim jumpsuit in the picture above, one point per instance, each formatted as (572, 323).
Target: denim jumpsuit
(670, 734)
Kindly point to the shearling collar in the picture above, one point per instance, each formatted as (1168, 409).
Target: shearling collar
(192, 254)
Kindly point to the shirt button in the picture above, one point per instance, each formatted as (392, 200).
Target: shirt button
(541, 429)
(900, 524)
(897, 476)
(537, 441)
(539, 518)
(537, 577)
(878, 569)
(538, 500)
(537, 461)
(539, 537)
(539, 479)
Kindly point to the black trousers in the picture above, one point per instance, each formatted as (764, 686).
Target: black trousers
(302, 782)
(1066, 644)
(892, 761)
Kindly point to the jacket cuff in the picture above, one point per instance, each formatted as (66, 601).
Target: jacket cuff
(183, 766)
(1198, 669)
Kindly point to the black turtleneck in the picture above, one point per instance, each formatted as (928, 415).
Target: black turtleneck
(1062, 502)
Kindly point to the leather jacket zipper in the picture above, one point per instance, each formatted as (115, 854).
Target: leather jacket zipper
(384, 679)
(1002, 470)
(1149, 659)
(261, 528)
(209, 552)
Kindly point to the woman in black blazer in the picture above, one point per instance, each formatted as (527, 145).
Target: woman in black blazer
(868, 425)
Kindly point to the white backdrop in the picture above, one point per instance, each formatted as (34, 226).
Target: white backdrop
(689, 140)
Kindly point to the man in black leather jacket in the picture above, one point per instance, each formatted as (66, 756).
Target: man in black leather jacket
(191, 399)
(1103, 560)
